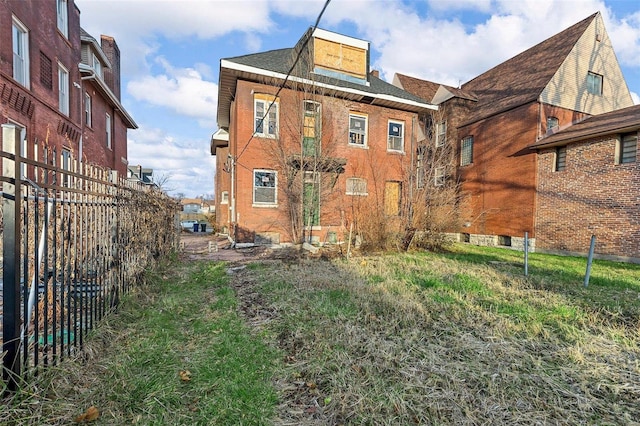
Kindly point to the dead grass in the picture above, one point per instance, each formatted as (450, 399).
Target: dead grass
(425, 339)
(459, 338)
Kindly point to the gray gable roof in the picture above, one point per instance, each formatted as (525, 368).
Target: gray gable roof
(280, 61)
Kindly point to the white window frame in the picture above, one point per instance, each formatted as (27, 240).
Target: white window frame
(65, 164)
(107, 126)
(441, 134)
(391, 139)
(269, 119)
(356, 134)
(466, 144)
(96, 65)
(63, 89)
(356, 186)
(63, 17)
(20, 37)
(594, 83)
(552, 122)
(439, 176)
(87, 109)
(273, 203)
(224, 197)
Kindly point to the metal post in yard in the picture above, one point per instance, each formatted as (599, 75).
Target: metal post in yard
(526, 254)
(590, 260)
(11, 196)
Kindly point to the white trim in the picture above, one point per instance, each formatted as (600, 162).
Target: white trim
(365, 143)
(273, 204)
(245, 68)
(341, 38)
(402, 123)
(63, 89)
(24, 45)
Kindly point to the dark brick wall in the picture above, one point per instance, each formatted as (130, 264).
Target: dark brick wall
(36, 107)
(592, 196)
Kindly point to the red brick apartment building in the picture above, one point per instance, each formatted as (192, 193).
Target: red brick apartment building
(494, 119)
(298, 163)
(588, 184)
(60, 86)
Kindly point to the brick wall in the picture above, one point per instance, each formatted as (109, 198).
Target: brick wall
(592, 196)
(374, 163)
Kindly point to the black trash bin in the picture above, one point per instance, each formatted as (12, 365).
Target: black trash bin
(203, 227)
(195, 227)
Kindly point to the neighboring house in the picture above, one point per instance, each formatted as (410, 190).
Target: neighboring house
(588, 184)
(301, 162)
(495, 117)
(191, 205)
(144, 175)
(60, 87)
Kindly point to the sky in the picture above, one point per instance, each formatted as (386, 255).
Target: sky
(171, 51)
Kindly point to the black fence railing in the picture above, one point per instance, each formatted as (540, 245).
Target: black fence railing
(74, 239)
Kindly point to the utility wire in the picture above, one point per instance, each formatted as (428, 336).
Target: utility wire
(295, 62)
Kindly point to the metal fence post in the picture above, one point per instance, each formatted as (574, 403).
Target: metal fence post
(526, 254)
(590, 260)
(11, 197)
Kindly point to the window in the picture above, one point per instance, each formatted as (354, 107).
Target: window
(561, 158)
(466, 151)
(87, 109)
(108, 130)
(358, 130)
(311, 128)
(311, 199)
(63, 90)
(265, 187)
(628, 147)
(63, 18)
(552, 122)
(440, 176)
(392, 198)
(356, 186)
(441, 133)
(20, 53)
(97, 66)
(594, 83)
(65, 164)
(224, 197)
(266, 116)
(395, 136)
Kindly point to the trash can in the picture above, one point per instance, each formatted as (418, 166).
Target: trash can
(195, 227)
(203, 227)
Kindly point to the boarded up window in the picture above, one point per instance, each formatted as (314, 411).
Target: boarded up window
(392, 198)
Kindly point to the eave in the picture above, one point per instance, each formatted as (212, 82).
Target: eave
(231, 72)
(88, 73)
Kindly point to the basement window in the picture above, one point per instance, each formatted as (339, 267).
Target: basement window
(504, 240)
(356, 186)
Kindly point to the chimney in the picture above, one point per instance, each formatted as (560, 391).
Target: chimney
(375, 73)
(111, 76)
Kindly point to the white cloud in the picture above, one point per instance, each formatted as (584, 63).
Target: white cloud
(187, 164)
(480, 5)
(182, 90)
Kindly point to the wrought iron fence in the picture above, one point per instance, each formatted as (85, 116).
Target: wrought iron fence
(75, 238)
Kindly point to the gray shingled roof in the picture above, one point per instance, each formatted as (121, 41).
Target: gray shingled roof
(618, 121)
(280, 61)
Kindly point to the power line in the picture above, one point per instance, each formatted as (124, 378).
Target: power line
(295, 62)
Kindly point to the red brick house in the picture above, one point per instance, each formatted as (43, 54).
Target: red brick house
(60, 86)
(588, 183)
(302, 156)
(495, 117)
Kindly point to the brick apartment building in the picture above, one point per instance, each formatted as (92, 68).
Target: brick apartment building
(587, 184)
(60, 86)
(301, 162)
(494, 119)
